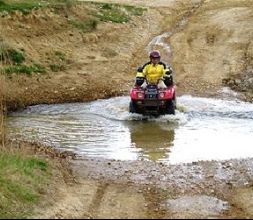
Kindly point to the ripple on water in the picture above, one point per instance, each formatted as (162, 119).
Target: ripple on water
(201, 129)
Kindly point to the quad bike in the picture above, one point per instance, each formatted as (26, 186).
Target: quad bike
(152, 100)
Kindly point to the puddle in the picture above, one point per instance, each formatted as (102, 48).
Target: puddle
(208, 129)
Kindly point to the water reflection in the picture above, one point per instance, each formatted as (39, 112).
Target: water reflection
(153, 141)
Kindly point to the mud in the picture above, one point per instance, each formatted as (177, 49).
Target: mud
(144, 189)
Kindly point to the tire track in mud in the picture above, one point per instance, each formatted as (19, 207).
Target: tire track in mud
(97, 199)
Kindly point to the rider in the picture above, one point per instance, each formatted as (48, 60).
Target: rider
(155, 72)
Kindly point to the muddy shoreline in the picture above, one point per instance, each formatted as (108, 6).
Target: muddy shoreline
(223, 181)
(102, 188)
(181, 177)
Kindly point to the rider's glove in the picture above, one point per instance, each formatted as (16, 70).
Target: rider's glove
(144, 85)
(161, 85)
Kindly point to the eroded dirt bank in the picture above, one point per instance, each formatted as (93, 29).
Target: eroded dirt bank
(94, 65)
(211, 46)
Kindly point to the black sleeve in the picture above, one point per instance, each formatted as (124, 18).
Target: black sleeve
(162, 63)
(146, 65)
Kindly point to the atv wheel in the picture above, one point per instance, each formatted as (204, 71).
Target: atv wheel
(170, 107)
(132, 107)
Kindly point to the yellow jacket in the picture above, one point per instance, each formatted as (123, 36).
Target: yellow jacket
(152, 72)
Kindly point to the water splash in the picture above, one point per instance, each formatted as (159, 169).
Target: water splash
(207, 129)
(118, 109)
(199, 107)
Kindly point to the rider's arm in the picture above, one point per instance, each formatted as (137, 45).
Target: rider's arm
(168, 77)
(139, 79)
(140, 74)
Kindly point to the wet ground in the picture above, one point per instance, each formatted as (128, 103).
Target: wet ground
(145, 189)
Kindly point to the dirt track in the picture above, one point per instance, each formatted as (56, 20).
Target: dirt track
(211, 41)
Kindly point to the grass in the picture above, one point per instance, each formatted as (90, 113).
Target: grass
(12, 61)
(106, 12)
(21, 181)
(9, 55)
(26, 6)
(16, 57)
(24, 69)
(117, 13)
(86, 25)
(22, 177)
(23, 6)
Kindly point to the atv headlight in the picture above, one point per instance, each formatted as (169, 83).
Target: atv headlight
(140, 95)
(161, 95)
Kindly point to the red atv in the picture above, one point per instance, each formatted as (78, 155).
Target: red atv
(152, 100)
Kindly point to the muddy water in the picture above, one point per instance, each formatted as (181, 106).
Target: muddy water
(202, 129)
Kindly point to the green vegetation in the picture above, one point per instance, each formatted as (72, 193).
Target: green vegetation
(14, 59)
(58, 4)
(117, 13)
(85, 26)
(24, 6)
(8, 55)
(24, 69)
(105, 12)
(21, 181)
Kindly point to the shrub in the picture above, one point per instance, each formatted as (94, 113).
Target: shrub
(9, 55)
(16, 56)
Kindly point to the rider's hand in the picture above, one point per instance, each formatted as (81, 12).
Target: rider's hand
(161, 85)
(144, 85)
